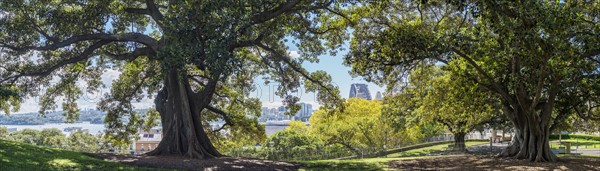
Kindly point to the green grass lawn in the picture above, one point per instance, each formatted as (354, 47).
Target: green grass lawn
(374, 164)
(431, 149)
(583, 144)
(377, 164)
(19, 156)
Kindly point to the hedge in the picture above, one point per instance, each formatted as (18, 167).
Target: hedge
(575, 136)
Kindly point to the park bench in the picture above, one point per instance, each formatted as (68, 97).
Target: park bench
(564, 148)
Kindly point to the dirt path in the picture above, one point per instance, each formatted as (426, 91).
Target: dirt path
(184, 163)
(481, 162)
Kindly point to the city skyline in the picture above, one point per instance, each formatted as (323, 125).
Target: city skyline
(359, 90)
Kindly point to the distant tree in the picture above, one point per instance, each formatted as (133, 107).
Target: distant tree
(436, 95)
(293, 137)
(52, 137)
(3, 132)
(26, 135)
(361, 126)
(83, 141)
(586, 126)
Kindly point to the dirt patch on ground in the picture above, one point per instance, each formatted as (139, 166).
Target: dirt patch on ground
(179, 162)
(484, 162)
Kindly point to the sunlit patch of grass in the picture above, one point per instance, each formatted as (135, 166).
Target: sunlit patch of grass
(19, 156)
(63, 163)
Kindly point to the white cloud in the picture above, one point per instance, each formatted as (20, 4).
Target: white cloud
(293, 54)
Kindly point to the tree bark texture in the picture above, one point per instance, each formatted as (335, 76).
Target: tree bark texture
(180, 107)
(532, 136)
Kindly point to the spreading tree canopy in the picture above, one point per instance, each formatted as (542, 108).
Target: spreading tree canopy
(196, 59)
(435, 94)
(360, 127)
(541, 58)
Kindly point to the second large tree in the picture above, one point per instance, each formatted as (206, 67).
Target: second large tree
(540, 58)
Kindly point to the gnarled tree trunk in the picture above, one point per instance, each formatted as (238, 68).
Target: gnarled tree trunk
(179, 107)
(531, 140)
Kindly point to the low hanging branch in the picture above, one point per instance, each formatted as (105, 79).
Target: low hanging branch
(125, 37)
(87, 53)
(224, 115)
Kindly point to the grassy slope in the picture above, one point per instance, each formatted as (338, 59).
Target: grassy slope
(19, 156)
(375, 163)
(427, 150)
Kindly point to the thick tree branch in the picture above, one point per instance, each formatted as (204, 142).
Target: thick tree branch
(224, 115)
(540, 83)
(125, 37)
(87, 53)
(592, 54)
(481, 72)
(270, 14)
(221, 128)
(150, 10)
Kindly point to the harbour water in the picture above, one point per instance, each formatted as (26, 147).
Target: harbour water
(98, 128)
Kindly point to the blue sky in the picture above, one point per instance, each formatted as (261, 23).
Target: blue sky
(330, 64)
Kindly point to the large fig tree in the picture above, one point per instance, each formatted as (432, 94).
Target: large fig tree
(195, 58)
(541, 58)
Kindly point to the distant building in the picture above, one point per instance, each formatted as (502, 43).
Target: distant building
(148, 140)
(273, 111)
(305, 112)
(378, 96)
(360, 91)
(11, 130)
(282, 109)
(70, 130)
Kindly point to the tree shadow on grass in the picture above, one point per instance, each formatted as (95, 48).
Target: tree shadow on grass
(186, 163)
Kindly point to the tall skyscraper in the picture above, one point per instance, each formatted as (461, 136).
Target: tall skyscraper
(305, 110)
(265, 111)
(378, 96)
(360, 91)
